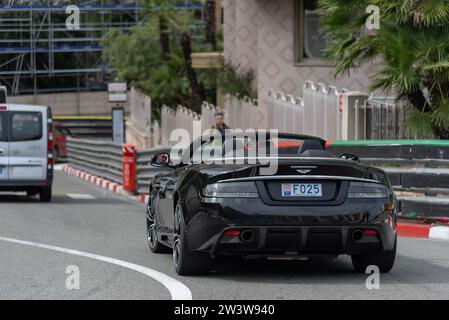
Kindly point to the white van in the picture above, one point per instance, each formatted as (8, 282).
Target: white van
(26, 150)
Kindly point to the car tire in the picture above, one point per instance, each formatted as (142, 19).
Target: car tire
(45, 194)
(152, 236)
(32, 193)
(186, 262)
(384, 261)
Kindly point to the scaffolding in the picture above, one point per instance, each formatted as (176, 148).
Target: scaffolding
(38, 53)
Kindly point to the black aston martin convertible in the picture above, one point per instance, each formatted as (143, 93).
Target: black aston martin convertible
(313, 204)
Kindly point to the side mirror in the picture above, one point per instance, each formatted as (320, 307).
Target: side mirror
(161, 160)
(351, 157)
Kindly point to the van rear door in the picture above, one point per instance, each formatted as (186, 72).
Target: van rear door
(28, 144)
(4, 147)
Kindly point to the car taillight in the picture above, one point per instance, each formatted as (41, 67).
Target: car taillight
(363, 190)
(231, 190)
(50, 144)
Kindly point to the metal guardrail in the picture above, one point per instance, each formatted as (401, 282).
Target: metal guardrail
(418, 172)
(101, 158)
(105, 159)
(145, 173)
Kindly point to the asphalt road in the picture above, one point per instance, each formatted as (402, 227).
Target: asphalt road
(92, 221)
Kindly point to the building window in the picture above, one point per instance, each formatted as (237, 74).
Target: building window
(309, 43)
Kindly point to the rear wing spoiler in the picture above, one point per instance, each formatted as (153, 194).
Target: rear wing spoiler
(3, 94)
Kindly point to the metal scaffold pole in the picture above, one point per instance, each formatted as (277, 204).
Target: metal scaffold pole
(38, 53)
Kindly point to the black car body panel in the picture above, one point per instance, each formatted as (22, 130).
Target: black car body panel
(277, 225)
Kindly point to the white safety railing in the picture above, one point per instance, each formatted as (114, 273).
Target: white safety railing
(140, 105)
(285, 112)
(181, 118)
(207, 115)
(318, 113)
(242, 113)
(168, 124)
(324, 111)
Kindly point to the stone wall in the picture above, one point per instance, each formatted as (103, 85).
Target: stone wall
(259, 34)
(70, 104)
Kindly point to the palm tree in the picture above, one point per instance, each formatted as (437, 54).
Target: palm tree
(172, 20)
(211, 23)
(411, 48)
(162, 7)
(181, 23)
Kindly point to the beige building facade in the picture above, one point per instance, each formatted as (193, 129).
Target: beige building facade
(279, 39)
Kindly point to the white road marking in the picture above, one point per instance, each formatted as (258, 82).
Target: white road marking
(76, 196)
(178, 290)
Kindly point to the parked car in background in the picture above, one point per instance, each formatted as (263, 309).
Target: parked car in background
(26, 150)
(60, 134)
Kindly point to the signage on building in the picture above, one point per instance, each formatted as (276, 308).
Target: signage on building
(118, 92)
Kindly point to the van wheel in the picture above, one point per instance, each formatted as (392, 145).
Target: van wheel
(32, 193)
(45, 194)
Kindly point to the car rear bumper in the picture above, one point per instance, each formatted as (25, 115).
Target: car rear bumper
(299, 241)
(23, 185)
(290, 230)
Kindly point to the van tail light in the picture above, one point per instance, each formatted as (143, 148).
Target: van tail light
(50, 144)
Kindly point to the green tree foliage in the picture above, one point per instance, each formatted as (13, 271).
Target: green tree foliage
(411, 49)
(237, 82)
(155, 58)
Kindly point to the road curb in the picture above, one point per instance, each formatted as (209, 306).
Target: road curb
(99, 182)
(104, 184)
(412, 230)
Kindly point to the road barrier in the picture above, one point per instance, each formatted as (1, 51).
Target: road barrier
(119, 163)
(417, 169)
(145, 173)
(129, 168)
(101, 158)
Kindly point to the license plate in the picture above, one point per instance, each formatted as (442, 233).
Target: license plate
(302, 190)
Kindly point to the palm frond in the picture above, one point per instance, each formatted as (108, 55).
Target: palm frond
(433, 11)
(419, 125)
(440, 116)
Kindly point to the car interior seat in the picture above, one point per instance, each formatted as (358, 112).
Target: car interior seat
(315, 149)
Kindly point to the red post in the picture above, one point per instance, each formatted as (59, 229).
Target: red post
(129, 168)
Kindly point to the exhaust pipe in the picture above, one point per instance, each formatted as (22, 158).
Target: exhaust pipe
(247, 236)
(357, 235)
